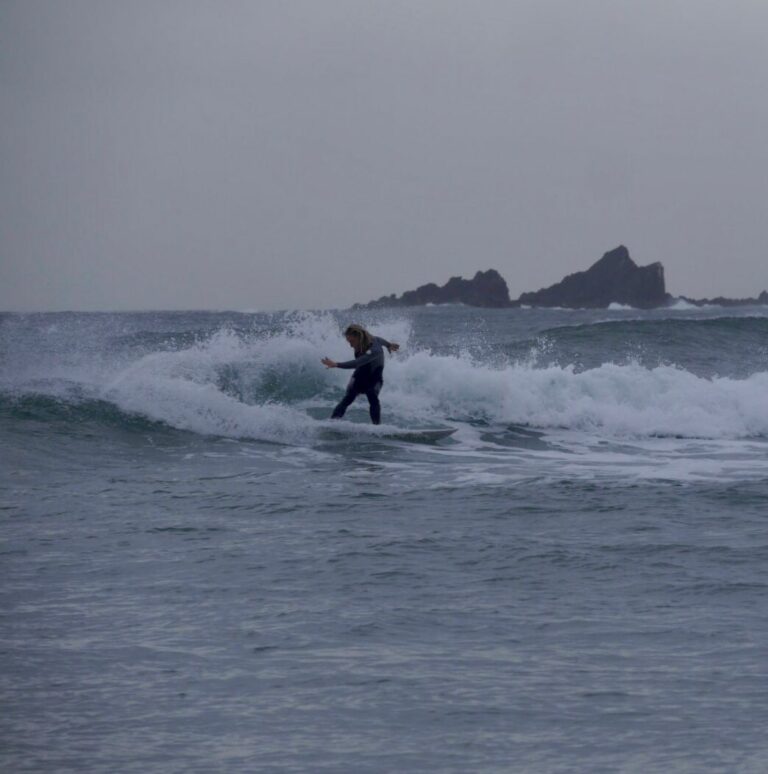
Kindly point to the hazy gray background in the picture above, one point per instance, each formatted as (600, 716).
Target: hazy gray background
(273, 154)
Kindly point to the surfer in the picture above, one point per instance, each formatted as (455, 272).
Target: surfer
(368, 376)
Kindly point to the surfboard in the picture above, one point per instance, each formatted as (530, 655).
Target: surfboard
(410, 435)
(427, 435)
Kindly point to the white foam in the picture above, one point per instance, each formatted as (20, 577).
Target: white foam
(617, 400)
(181, 389)
(682, 305)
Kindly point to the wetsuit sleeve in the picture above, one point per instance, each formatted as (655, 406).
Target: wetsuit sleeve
(368, 357)
(358, 361)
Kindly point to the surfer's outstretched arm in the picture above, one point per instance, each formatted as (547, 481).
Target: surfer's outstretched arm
(368, 357)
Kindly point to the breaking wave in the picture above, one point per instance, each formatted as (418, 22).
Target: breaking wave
(271, 386)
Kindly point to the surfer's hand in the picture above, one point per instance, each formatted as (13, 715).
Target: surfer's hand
(393, 347)
(328, 363)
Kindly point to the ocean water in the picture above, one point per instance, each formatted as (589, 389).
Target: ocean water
(200, 574)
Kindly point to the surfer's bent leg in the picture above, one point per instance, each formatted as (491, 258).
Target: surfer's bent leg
(372, 393)
(349, 397)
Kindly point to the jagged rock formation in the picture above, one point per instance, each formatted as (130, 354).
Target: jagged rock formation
(486, 288)
(615, 278)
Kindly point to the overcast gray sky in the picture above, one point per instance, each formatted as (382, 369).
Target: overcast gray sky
(276, 154)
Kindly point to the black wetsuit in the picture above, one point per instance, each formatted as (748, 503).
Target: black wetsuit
(366, 380)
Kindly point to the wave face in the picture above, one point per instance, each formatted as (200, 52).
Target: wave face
(618, 373)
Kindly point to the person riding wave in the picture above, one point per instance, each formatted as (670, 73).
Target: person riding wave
(368, 376)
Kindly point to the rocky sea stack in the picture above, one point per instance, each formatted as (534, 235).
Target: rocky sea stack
(486, 288)
(614, 279)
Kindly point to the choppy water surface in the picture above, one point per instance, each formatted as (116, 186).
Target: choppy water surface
(199, 574)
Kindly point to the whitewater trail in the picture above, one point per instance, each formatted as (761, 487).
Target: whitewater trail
(262, 388)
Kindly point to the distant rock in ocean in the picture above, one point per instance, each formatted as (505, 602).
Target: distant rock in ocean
(486, 288)
(614, 279)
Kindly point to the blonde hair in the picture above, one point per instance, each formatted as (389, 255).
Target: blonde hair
(364, 339)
